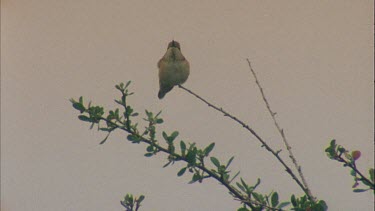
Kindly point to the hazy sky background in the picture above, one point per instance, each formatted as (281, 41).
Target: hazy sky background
(314, 59)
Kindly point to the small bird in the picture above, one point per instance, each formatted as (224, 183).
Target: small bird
(174, 69)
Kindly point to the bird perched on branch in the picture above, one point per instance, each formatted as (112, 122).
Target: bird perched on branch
(174, 69)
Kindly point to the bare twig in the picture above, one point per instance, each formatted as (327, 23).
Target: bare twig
(264, 144)
(281, 131)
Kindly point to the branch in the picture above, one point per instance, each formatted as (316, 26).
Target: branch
(275, 154)
(281, 131)
(231, 189)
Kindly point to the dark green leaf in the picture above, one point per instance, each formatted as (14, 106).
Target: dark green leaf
(208, 149)
(323, 205)
(191, 156)
(181, 172)
(159, 121)
(85, 118)
(132, 138)
(167, 164)
(333, 143)
(173, 136)
(353, 173)
(242, 209)
(341, 149)
(258, 197)
(105, 139)
(360, 190)
(141, 198)
(241, 187)
(367, 183)
(79, 107)
(135, 114)
(293, 200)
(150, 148)
(274, 199)
(215, 161)
(149, 154)
(183, 147)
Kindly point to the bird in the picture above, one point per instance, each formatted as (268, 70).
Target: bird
(174, 69)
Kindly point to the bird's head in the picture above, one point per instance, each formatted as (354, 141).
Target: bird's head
(174, 44)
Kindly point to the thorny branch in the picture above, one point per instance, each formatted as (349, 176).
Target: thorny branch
(281, 131)
(276, 154)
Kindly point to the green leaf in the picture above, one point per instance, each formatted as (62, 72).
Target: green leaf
(167, 164)
(283, 204)
(234, 177)
(84, 118)
(181, 172)
(105, 139)
(333, 143)
(245, 185)
(173, 136)
(258, 197)
(150, 148)
(165, 136)
(293, 200)
(371, 172)
(183, 148)
(242, 209)
(229, 162)
(195, 178)
(208, 149)
(191, 156)
(159, 121)
(215, 161)
(360, 190)
(274, 199)
(323, 205)
(141, 198)
(132, 138)
(367, 183)
(149, 154)
(135, 114)
(127, 84)
(79, 107)
(241, 186)
(353, 173)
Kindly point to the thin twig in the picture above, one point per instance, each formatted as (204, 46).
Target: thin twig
(276, 154)
(281, 131)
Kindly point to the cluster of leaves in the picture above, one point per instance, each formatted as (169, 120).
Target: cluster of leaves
(194, 157)
(271, 201)
(340, 154)
(132, 203)
(303, 204)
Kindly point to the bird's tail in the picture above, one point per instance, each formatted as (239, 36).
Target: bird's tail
(163, 91)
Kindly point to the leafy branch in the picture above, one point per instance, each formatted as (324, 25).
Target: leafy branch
(132, 203)
(340, 154)
(194, 157)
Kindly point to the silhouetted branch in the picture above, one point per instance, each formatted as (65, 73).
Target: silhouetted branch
(281, 131)
(276, 154)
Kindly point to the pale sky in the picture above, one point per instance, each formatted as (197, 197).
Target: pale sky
(313, 58)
